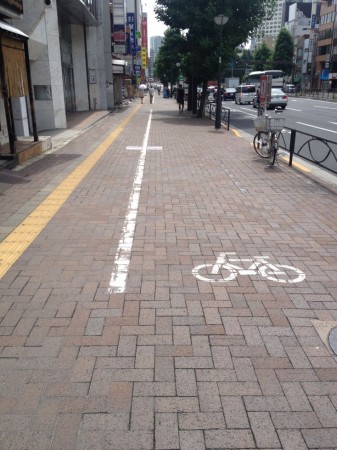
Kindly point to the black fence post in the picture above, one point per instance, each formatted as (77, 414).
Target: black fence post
(292, 146)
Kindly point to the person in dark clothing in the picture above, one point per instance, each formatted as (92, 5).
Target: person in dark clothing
(181, 98)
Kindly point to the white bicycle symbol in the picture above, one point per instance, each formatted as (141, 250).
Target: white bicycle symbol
(223, 270)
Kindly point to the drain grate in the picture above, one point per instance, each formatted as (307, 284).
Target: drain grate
(333, 340)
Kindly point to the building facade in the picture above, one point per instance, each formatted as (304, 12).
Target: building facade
(70, 57)
(325, 72)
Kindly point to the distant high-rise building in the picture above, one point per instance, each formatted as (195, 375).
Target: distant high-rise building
(155, 44)
(269, 30)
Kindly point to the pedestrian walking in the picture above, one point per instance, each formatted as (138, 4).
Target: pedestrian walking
(151, 93)
(141, 95)
(181, 98)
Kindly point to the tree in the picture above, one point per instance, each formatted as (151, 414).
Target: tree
(196, 18)
(284, 52)
(262, 57)
(170, 53)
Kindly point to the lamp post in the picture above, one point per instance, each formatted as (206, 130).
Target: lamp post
(220, 20)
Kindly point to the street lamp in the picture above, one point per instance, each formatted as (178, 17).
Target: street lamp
(220, 20)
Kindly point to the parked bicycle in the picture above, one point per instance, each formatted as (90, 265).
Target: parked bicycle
(266, 140)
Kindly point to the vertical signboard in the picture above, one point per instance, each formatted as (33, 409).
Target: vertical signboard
(130, 20)
(144, 58)
(265, 89)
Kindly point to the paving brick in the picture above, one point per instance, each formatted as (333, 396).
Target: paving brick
(127, 346)
(201, 421)
(244, 369)
(67, 428)
(320, 438)
(193, 362)
(181, 335)
(128, 440)
(167, 435)
(83, 370)
(222, 358)
(154, 389)
(325, 410)
(212, 316)
(266, 403)
(176, 404)
(263, 430)
(144, 357)
(186, 382)
(235, 412)
(147, 317)
(296, 397)
(290, 420)
(229, 439)
(298, 358)
(292, 440)
(142, 417)
(209, 398)
(201, 346)
(252, 336)
(120, 397)
(215, 375)
(164, 369)
(164, 325)
(192, 440)
(239, 388)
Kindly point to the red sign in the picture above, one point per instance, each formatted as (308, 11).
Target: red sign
(119, 36)
(144, 33)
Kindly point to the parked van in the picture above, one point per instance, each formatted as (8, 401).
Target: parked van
(245, 93)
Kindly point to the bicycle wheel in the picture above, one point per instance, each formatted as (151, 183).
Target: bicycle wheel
(204, 273)
(282, 273)
(260, 144)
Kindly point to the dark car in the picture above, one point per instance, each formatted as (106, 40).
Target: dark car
(229, 94)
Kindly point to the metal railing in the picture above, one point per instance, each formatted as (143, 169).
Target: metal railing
(210, 112)
(323, 94)
(317, 150)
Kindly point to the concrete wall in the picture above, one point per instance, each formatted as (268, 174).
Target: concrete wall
(80, 68)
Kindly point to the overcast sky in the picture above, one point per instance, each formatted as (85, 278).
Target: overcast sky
(154, 28)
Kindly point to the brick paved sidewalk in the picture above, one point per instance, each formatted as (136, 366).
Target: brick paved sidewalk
(232, 359)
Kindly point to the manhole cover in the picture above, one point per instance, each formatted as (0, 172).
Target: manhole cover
(333, 340)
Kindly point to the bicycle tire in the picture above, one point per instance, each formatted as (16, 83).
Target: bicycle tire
(259, 139)
(275, 275)
(232, 275)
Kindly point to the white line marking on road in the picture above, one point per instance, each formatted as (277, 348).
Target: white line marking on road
(334, 123)
(135, 147)
(319, 128)
(123, 253)
(324, 107)
(293, 109)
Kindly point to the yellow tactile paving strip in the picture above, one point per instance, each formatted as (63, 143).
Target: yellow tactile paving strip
(12, 247)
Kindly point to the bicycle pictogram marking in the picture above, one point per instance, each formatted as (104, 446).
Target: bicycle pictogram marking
(224, 270)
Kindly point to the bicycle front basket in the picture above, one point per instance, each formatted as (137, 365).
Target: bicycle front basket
(260, 123)
(275, 123)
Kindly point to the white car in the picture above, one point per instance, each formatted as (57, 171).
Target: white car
(278, 98)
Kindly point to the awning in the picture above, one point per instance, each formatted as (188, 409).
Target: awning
(12, 30)
(76, 12)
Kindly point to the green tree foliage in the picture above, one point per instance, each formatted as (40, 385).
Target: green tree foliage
(170, 53)
(284, 52)
(195, 18)
(262, 57)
